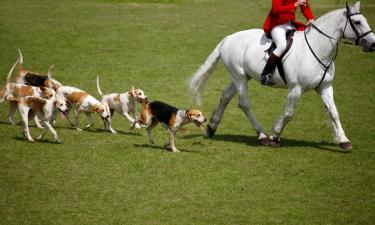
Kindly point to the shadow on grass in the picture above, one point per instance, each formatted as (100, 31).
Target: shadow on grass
(45, 141)
(97, 130)
(160, 147)
(285, 142)
(18, 124)
(5, 123)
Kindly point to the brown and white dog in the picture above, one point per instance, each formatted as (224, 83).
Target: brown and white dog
(170, 117)
(13, 90)
(35, 79)
(44, 109)
(124, 104)
(81, 101)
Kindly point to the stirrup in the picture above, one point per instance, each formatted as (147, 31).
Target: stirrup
(267, 80)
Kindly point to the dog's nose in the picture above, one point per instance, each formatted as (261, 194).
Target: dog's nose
(373, 47)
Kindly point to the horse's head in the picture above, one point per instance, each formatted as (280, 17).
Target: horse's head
(357, 28)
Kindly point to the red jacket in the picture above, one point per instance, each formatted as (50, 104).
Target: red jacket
(283, 11)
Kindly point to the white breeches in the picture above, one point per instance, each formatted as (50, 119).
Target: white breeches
(278, 34)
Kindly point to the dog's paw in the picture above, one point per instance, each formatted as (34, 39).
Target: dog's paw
(78, 129)
(137, 126)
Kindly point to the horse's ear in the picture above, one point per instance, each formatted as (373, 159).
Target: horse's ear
(356, 7)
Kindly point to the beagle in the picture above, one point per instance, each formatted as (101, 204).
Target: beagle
(81, 101)
(44, 109)
(13, 90)
(35, 79)
(170, 117)
(124, 104)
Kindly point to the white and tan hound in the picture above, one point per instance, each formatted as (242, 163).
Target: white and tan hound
(124, 104)
(170, 117)
(44, 109)
(81, 101)
(35, 79)
(13, 90)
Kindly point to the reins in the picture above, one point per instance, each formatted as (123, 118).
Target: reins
(326, 67)
(359, 36)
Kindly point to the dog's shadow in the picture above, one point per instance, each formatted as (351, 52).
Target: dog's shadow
(161, 147)
(285, 142)
(99, 130)
(44, 141)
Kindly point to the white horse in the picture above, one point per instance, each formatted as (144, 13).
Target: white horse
(308, 66)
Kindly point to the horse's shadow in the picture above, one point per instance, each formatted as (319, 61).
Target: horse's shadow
(253, 141)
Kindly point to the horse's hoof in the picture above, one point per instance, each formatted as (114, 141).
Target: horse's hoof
(264, 141)
(346, 146)
(274, 142)
(210, 131)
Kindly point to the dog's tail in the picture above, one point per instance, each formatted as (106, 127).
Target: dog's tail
(54, 83)
(11, 71)
(98, 86)
(49, 74)
(21, 59)
(200, 77)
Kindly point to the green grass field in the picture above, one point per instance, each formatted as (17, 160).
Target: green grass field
(95, 177)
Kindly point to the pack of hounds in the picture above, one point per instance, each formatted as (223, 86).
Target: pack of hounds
(40, 97)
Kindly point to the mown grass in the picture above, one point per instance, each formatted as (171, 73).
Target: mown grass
(95, 177)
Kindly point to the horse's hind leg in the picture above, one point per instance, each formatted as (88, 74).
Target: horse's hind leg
(293, 96)
(227, 95)
(244, 104)
(326, 95)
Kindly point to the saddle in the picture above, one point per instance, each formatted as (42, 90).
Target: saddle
(289, 40)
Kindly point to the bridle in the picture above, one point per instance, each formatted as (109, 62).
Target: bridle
(357, 41)
(349, 16)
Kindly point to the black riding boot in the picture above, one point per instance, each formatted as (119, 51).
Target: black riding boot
(266, 77)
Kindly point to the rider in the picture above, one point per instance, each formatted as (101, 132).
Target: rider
(280, 19)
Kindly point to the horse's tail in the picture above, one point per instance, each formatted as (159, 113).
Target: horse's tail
(98, 86)
(11, 71)
(200, 77)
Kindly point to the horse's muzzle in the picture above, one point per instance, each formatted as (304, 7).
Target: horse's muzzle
(372, 47)
(369, 47)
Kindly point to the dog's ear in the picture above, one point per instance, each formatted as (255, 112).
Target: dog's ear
(188, 114)
(94, 108)
(97, 108)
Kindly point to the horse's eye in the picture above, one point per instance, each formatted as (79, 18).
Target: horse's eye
(357, 23)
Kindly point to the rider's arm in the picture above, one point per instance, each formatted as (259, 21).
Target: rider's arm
(279, 8)
(306, 11)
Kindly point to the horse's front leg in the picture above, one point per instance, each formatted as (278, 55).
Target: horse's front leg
(326, 93)
(293, 96)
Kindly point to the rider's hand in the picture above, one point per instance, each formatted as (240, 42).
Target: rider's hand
(300, 2)
(310, 22)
